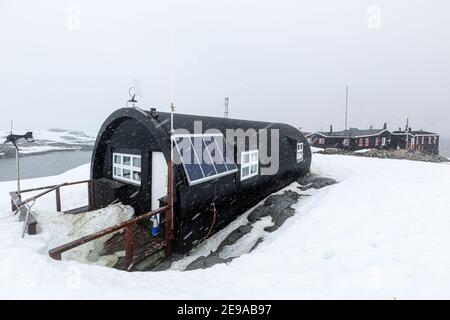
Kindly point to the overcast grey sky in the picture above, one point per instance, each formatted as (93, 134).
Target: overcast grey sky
(70, 63)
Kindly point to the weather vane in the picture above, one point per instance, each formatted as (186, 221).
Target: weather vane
(132, 93)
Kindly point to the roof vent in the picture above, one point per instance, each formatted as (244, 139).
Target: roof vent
(154, 113)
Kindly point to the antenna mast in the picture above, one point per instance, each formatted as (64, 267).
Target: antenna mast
(346, 106)
(227, 100)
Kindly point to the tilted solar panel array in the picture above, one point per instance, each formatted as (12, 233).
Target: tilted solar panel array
(204, 157)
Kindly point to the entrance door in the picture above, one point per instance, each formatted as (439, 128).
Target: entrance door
(159, 178)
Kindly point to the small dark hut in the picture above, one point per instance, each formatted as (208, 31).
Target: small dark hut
(133, 147)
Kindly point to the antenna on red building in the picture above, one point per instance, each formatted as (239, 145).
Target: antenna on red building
(346, 106)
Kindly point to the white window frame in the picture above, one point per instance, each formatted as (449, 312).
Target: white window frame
(299, 151)
(383, 141)
(346, 142)
(120, 166)
(252, 162)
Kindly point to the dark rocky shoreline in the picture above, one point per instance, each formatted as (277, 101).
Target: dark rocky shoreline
(388, 154)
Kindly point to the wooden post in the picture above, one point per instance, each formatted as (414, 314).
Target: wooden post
(55, 255)
(169, 211)
(13, 206)
(129, 247)
(91, 194)
(58, 199)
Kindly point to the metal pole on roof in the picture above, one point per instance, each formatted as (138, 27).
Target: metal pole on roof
(227, 100)
(170, 190)
(346, 106)
(172, 110)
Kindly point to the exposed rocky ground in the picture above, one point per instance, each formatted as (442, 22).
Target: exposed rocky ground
(388, 154)
(277, 209)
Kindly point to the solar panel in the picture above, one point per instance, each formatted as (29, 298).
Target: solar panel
(226, 154)
(215, 154)
(187, 157)
(204, 157)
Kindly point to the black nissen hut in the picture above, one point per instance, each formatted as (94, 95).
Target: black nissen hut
(129, 164)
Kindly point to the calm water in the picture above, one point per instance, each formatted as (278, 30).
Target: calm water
(43, 165)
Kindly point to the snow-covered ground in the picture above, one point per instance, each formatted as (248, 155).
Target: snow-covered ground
(382, 232)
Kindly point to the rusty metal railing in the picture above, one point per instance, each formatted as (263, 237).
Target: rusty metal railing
(18, 205)
(129, 226)
(57, 189)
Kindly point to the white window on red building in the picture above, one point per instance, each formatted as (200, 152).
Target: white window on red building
(367, 142)
(309, 140)
(346, 142)
(423, 140)
(377, 141)
(429, 140)
(360, 142)
(383, 141)
(321, 141)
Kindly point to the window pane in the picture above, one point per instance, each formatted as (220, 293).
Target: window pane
(254, 156)
(126, 173)
(246, 158)
(126, 160)
(117, 159)
(117, 171)
(254, 168)
(245, 171)
(136, 162)
(136, 176)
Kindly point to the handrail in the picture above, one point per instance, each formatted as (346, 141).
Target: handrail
(17, 203)
(53, 186)
(56, 253)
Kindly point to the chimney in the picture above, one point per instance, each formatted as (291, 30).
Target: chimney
(154, 113)
(385, 126)
(331, 128)
(409, 129)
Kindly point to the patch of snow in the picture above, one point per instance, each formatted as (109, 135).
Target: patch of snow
(56, 228)
(362, 151)
(315, 149)
(40, 149)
